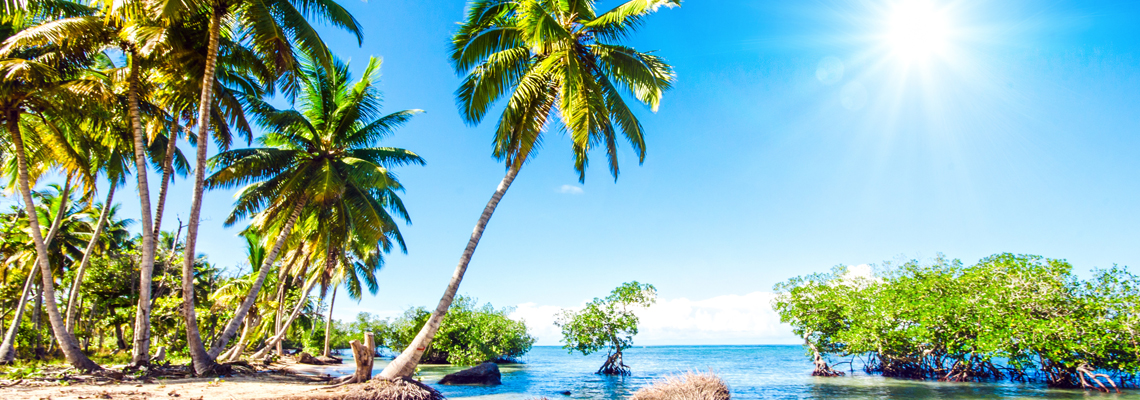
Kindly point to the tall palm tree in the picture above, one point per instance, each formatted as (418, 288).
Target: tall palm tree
(272, 28)
(40, 81)
(546, 55)
(312, 160)
(122, 26)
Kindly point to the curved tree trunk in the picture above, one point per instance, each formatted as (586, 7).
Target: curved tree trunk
(67, 342)
(7, 348)
(74, 292)
(330, 263)
(272, 342)
(56, 221)
(405, 365)
(328, 322)
(234, 353)
(282, 275)
(141, 351)
(167, 173)
(251, 297)
(202, 362)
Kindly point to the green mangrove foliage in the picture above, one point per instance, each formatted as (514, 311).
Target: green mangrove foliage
(607, 323)
(470, 334)
(1017, 317)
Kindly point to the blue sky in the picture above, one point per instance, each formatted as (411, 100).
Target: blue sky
(764, 162)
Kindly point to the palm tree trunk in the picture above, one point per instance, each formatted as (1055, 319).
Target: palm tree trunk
(330, 263)
(167, 172)
(328, 322)
(282, 275)
(234, 353)
(67, 342)
(64, 196)
(280, 334)
(251, 297)
(405, 364)
(8, 349)
(141, 352)
(74, 292)
(202, 361)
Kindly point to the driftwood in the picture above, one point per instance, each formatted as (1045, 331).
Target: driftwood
(364, 355)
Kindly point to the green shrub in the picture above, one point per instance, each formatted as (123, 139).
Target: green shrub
(468, 335)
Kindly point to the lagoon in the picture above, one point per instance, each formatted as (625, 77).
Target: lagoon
(752, 372)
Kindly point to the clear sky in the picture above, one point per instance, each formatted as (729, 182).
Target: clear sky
(799, 135)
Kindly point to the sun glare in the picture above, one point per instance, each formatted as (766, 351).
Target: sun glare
(917, 30)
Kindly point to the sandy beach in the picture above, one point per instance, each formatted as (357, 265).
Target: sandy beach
(292, 379)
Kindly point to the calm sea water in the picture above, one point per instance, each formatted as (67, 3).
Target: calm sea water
(752, 372)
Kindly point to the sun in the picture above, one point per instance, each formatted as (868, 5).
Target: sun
(917, 30)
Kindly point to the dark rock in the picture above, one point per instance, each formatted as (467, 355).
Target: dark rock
(483, 374)
(564, 393)
(306, 358)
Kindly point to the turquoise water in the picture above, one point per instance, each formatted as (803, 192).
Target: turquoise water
(752, 372)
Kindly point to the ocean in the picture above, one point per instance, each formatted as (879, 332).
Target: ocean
(752, 372)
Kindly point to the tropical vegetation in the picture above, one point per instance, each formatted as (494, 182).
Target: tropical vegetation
(1015, 317)
(607, 323)
(95, 95)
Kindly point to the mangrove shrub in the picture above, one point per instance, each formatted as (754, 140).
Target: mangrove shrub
(1017, 317)
(469, 335)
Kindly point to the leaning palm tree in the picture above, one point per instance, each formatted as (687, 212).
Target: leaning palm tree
(273, 28)
(38, 82)
(313, 159)
(546, 55)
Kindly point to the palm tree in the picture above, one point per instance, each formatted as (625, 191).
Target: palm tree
(122, 26)
(355, 273)
(272, 28)
(547, 55)
(318, 160)
(39, 81)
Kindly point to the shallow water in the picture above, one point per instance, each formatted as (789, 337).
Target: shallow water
(752, 372)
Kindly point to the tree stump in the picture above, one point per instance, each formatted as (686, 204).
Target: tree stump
(363, 354)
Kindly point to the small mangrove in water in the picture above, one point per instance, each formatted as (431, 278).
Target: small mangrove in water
(607, 323)
(1018, 317)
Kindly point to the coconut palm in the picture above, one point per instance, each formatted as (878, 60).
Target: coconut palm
(39, 82)
(318, 160)
(546, 55)
(273, 28)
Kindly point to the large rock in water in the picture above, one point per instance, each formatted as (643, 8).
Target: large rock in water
(483, 374)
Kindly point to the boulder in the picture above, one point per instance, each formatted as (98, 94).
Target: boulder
(483, 374)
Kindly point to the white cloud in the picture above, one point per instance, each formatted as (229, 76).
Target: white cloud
(729, 319)
(570, 189)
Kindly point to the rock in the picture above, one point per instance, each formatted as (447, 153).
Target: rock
(564, 393)
(306, 358)
(483, 374)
